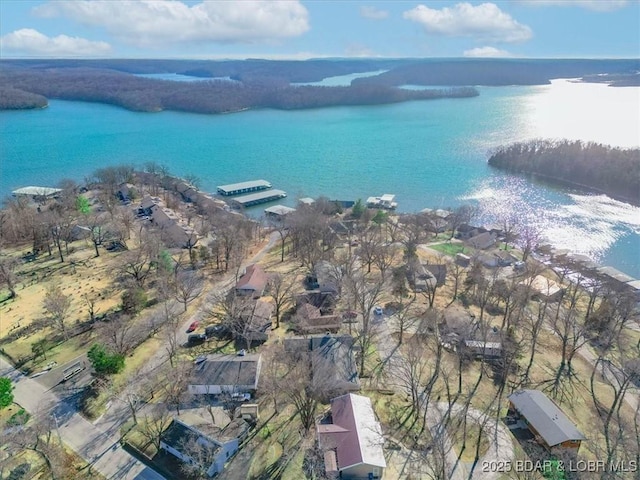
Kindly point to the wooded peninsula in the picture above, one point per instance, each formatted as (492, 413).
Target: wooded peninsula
(237, 85)
(610, 170)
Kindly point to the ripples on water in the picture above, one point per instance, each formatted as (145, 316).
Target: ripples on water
(585, 224)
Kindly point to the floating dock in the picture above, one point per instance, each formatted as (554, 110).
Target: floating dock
(260, 197)
(243, 187)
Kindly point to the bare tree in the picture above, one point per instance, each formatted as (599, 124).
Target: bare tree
(364, 294)
(154, 423)
(280, 287)
(57, 305)
(98, 231)
(188, 287)
(120, 334)
(8, 266)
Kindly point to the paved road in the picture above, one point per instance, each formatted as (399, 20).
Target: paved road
(98, 442)
(118, 411)
(99, 448)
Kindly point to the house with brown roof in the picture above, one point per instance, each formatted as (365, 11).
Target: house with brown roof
(309, 319)
(351, 438)
(252, 282)
(550, 426)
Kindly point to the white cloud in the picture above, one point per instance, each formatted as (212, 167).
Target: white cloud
(596, 5)
(148, 23)
(28, 41)
(484, 22)
(373, 13)
(486, 52)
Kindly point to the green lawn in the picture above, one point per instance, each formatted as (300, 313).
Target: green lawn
(449, 248)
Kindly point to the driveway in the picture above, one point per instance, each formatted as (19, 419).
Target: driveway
(501, 443)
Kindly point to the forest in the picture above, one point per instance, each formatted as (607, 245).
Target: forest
(611, 170)
(268, 84)
(213, 96)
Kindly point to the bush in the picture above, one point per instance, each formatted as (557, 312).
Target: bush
(6, 392)
(134, 300)
(105, 362)
(19, 418)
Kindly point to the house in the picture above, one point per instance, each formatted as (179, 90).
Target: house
(351, 439)
(439, 218)
(551, 427)
(252, 282)
(420, 277)
(466, 231)
(331, 357)
(386, 202)
(487, 260)
(203, 445)
(309, 319)
(255, 317)
(220, 373)
(457, 323)
(462, 260)
(479, 349)
(543, 288)
(482, 241)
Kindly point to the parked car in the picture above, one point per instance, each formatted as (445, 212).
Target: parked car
(378, 310)
(241, 397)
(217, 331)
(193, 327)
(196, 339)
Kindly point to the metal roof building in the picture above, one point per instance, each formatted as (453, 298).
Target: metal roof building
(36, 191)
(260, 197)
(243, 187)
(545, 419)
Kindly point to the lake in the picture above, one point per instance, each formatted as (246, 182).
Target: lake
(429, 153)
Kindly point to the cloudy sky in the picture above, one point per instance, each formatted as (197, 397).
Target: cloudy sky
(304, 29)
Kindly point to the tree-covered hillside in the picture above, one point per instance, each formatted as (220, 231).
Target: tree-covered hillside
(614, 171)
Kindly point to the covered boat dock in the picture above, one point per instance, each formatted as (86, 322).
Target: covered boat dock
(260, 197)
(243, 187)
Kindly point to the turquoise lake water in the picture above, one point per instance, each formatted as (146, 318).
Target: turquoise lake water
(429, 153)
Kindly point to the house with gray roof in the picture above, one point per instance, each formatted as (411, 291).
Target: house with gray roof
(332, 360)
(204, 446)
(351, 439)
(218, 373)
(551, 427)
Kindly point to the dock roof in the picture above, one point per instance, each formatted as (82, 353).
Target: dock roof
(37, 191)
(260, 197)
(251, 184)
(279, 210)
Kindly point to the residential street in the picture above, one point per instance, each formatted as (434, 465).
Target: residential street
(101, 449)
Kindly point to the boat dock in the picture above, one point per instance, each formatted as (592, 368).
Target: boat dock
(386, 202)
(260, 197)
(243, 187)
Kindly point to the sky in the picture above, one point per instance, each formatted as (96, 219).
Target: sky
(302, 29)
